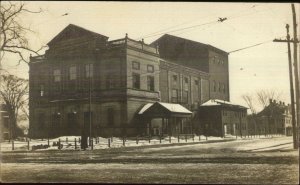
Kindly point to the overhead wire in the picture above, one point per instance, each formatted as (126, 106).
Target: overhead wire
(251, 46)
(198, 25)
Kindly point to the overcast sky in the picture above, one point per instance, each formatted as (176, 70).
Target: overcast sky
(260, 67)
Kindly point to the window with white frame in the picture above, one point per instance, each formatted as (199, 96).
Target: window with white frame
(135, 65)
(150, 68)
(57, 75)
(89, 70)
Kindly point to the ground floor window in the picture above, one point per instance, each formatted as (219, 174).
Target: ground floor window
(110, 116)
(72, 121)
(41, 120)
(87, 117)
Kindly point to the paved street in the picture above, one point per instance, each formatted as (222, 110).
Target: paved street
(256, 161)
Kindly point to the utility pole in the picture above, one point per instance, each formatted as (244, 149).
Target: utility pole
(288, 41)
(296, 74)
(90, 104)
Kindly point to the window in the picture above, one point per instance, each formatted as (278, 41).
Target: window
(219, 86)
(214, 86)
(57, 75)
(41, 120)
(150, 68)
(135, 65)
(89, 70)
(110, 116)
(110, 82)
(42, 90)
(174, 98)
(174, 80)
(215, 59)
(6, 122)
(223, 88)
(55, 120)
(196, 82)
(72, 120)
(150, 83)
(186, 83)
(87, 116)
(72, 72)
(136, 80)
(185, 96)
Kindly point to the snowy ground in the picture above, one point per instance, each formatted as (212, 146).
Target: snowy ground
(242, 161)
(68, 142)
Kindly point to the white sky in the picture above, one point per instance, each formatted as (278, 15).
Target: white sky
(264, 66)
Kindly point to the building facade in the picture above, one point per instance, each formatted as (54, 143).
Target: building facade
(87, 84)
(199, 56)
(276, 118)
(221, 118)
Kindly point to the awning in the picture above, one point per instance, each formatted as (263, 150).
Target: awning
(160, 109)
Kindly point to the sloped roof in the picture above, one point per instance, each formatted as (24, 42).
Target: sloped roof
(77, 28)
(145, 108)
(189, 41)
(273, 109)
(171, 107)
(218, 102)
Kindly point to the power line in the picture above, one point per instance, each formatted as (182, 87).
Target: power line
(152, 34)
(170, 27)
(250, 46)
(198, 25)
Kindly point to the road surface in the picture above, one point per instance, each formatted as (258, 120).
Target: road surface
(259, 161)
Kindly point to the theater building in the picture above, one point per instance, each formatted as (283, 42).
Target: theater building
(86, 83)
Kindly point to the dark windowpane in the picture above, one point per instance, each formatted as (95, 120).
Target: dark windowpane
(41, 120)
(150, 83)
(185, 95)
(87, 117)
(136, 81)
(55, 120)
(110, 117)
(214, 86)
(110, 81)
(174, 80)
(72, 122)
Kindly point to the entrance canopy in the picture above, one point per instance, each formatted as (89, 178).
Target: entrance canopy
(163, 110)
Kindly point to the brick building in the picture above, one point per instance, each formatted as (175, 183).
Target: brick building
(276, 118)
(222, 118)
(83, 75)
(201, 57)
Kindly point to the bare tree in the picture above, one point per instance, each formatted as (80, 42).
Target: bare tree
(13, 31)
(263, 96)
(14, 93)
(248, 98)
